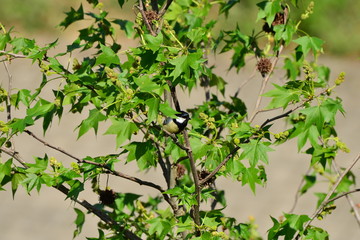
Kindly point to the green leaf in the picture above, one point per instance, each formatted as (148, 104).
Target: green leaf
(23, 45)
(126, 26)
(95, 116)
(33, 180)
(107, 56)
(146, 84)
(153, 104)
(123, 129)
(159, 226)
(219, 82)
(310, 181)
(255, 151)
(40, 109)
(318, 115)
(281, 97)
(73, 16)
(297, 221)
(196, 35)
(199, 148)
(4, 39)
(308, 43)
(15, 180)
(121, 3)
(167, 110)
(154, 43)
(24, 96)
(79, 222)
(39, 166)
(250, 176)
(75, 188)
(21, 124)
(226, 6)
(314, 233)
(268, 10)
(311, 134)
(184, 63)
(5, 169)
(143, 153)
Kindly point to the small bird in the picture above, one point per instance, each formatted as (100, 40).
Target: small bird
(176, 125)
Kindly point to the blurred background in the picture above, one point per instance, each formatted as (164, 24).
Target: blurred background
(47, 216)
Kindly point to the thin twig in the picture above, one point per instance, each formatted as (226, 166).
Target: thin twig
(245, 82)
(173, 95)
(8, 102)
(146, 21)
(348, 198)
(297, 195)
(53, 147)
(326, 199)
(264, 83)
(345, 194)
(164, 8)
(2, 52)
(228, 157)
(196, 179)
(110, 171)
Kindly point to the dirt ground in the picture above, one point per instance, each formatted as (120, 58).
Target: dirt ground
(49, 216)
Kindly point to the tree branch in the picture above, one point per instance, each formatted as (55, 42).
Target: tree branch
(164, 8)
(327, 198)
(110, 171)
(297, 195)
(345, 194)
(348, 198)
(2, 52)
(196, 215)
(228, 157)
(264, 83)
(100, 214)
(146, 21)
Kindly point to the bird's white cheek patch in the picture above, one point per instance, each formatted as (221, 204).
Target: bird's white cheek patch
(180, 120)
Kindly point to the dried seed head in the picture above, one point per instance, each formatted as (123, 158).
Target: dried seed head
(151, 16)
(279, 19)
(180, 170)
(264, 66)
(107, 197)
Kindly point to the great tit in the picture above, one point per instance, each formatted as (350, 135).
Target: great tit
(176, 125)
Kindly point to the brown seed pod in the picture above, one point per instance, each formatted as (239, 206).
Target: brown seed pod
(180, 170)
(107, 197)
(264, 66)
(151, 16)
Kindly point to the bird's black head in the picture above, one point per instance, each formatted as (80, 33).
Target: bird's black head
(183, 114)
(176, 125)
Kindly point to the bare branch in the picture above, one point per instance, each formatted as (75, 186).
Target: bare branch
(8, 101)
(345, 194)
(297, 195)
(264, 83)
(13, 55)
(348, 198)
(164, 8)
(141, 8)
(327, 198)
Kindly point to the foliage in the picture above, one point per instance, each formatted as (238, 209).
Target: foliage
(131, 90)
